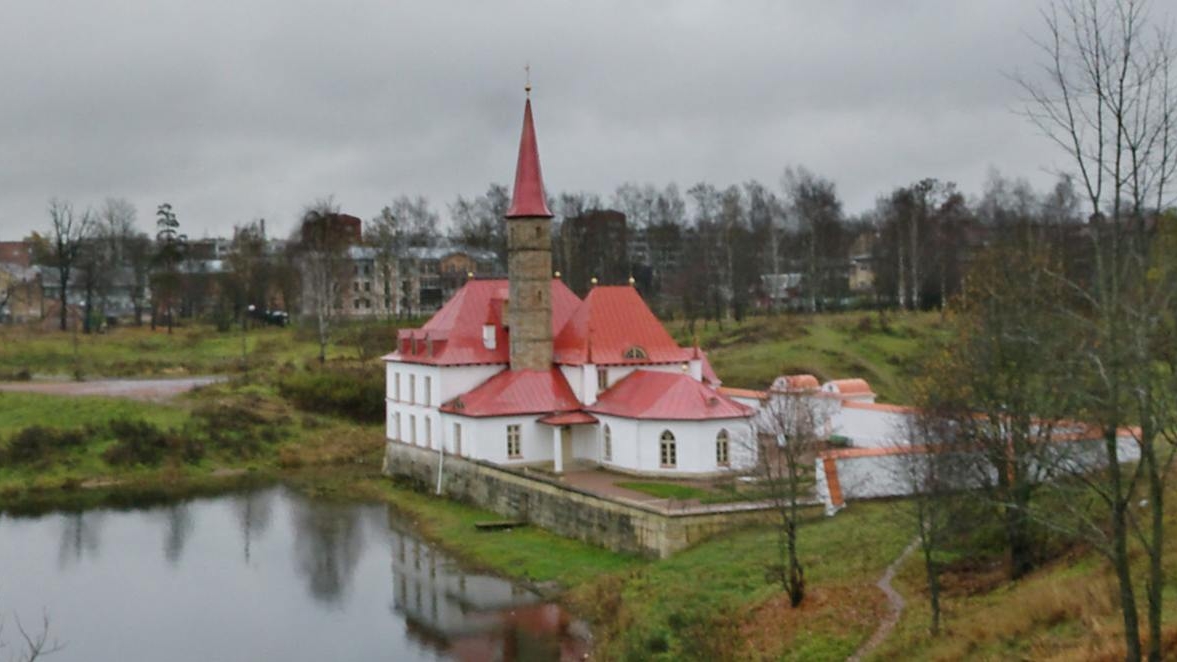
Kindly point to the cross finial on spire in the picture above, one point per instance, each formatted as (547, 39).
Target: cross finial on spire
(527, 87)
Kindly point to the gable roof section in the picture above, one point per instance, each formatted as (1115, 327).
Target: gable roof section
(453, 336)
(650, 394)
(609, 322)
(516, 392)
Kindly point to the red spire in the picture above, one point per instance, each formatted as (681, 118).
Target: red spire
(528, 196)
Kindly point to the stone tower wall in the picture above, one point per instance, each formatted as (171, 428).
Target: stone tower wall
(529, 309)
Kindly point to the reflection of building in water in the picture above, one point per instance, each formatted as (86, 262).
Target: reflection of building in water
(472, 616)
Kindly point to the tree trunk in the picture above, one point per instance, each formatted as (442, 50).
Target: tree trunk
(62, 295)
(1120, 562)
(1156, 570)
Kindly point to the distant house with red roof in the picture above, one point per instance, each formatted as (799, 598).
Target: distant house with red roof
(522, 371)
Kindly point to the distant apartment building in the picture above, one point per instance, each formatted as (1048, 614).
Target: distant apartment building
(19, 253)
(22, 299)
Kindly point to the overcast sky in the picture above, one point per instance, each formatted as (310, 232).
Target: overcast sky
(238, 109)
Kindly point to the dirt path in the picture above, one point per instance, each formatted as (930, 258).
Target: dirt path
(136, 389)
(895, 602)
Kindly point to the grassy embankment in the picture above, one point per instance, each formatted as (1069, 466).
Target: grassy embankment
(243, 425)
(882, 350)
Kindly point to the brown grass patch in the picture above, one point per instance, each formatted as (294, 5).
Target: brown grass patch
(771, 628)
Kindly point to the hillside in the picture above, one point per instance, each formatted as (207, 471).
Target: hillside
(883, 350)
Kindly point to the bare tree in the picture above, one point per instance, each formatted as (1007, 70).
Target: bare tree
(322, 252)
(68, 233)
(1106, 95)
(34, 645)
(787, 432)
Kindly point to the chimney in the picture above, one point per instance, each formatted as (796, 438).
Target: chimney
(529, 259)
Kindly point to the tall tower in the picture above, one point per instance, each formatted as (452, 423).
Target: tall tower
(529, 258)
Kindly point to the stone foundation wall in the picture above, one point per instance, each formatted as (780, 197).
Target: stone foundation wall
(564, 510)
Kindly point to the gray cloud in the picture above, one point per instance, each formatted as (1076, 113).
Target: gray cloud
(233, 110)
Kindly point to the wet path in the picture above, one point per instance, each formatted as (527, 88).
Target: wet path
(136, 389)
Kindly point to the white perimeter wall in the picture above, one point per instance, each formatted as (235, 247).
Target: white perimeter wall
(869, 428)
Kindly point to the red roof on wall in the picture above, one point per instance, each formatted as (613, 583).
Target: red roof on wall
(670, 396)
(850, 387)
(617, 320)
(517, 392)
(455, 331)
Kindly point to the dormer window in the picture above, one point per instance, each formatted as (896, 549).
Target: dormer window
(488, 336)
(636, 352)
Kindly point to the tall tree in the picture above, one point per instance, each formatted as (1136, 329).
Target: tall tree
(322, 255)
(68, 234)
(814, 204)
(170, 248)
(1105, 95)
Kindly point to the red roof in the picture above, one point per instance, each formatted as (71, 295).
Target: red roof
(454, 333)
(528, 196)
(666, 396)
(618, 321)
(516, 392)
(795, 383)
(849, 387)
(569, 418)
(742, 393)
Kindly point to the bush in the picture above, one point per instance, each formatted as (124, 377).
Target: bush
(140, 442)
(236, 428)
(37, 443)
(353, 394)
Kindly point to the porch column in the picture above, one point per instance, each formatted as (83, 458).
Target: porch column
(558, 447)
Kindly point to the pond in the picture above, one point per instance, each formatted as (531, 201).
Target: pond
(262, 574)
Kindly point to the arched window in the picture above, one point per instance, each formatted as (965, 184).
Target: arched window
(608, 450)
(636, 352)
(668, 450)
(722, 449)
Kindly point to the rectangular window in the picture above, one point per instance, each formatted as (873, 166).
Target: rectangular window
(428, 395)
(413, 429)
(368, 287)
(398, 427)
(428, 432)
(412, 389)
(602, 379)
(514, 445)
(396, 384)
(608, 444)
(457, 438)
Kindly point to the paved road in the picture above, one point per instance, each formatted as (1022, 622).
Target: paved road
(136, 389)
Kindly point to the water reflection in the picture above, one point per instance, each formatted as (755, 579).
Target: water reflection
(328, 546)
(79, 537)
(263, 574)
(472, 616)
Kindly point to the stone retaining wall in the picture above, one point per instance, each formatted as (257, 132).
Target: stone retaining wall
(567, 511)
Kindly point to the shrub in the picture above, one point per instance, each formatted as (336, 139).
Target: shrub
(37, 443)
(140, 442)
(237, 428)
(354, 394)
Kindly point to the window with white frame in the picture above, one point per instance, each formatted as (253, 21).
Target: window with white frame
(412, 389)
(514, 442)
(428, 432)
(457, 438)
(396, 387)
(722, 449)
(398, 427)
(428, 397)
(413, 429)
(668, 450)
(608, 444)
(602, 379)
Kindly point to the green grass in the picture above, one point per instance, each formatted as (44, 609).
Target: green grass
(752, 353)
(19, 410)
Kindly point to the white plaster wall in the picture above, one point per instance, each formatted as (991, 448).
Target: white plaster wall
(486, 438)
(637, 445)
(866, 428)
(444, 383)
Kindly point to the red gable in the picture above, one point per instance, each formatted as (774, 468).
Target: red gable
(613, 326)
(666, 396)
(453, 336)
(517, 392)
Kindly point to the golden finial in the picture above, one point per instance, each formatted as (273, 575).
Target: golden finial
(557, 274)
(593, 280)
(631, 280)
(469, 274)
(527, 87)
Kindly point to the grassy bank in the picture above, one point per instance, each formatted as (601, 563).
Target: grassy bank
(882, 350)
